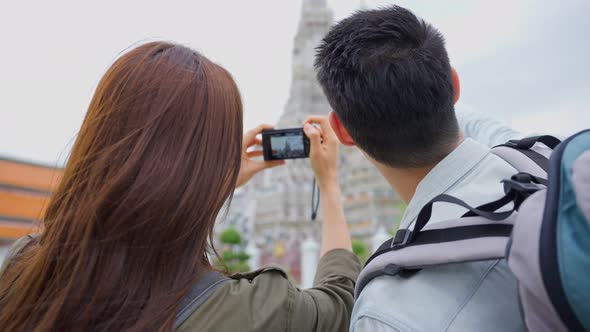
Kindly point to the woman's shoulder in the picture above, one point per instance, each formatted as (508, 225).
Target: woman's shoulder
(268, 272)
(266, 300)
(248, 300)
(270, 280)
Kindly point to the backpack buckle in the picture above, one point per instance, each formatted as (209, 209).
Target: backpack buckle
(525, 188)
(401, 238)
(523, 183)
(513, 143)
(521, 186)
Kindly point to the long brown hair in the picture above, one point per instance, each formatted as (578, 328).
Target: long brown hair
(126, 233)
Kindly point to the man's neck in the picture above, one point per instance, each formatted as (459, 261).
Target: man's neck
(405, 180)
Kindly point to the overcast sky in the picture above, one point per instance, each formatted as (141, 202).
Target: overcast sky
(524, 61)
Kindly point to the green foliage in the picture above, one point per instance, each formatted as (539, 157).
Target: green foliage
(233, 259)
(227, 255)
(231, 236)
(242, 256)
(241, 267)
(360, 249)
(233, 265)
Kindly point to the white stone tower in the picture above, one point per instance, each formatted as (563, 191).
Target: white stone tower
(284, 200)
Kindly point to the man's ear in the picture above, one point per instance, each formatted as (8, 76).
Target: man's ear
(341, 132)
(456, 84)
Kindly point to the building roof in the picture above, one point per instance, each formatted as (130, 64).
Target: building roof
(25, 188)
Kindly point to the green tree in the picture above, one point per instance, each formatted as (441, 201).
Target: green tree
(231, 236)
(233, 258)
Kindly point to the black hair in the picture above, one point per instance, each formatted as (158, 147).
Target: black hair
(387, 76)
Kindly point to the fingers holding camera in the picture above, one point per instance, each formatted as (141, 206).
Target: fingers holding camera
(323, 152)
(324, 127)
(250, 137)
(315, 137)
(323, 149)
(255, 153)
(249, 166)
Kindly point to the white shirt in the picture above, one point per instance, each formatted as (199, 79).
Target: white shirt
(475, 296)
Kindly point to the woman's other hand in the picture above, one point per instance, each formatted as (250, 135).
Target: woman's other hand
(251, 162)
(324, 161)
(324, 147)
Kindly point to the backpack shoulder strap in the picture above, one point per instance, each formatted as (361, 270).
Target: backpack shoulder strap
(457, 241)
(482, 233)
(525, 156)
(482, 236)
(198, 294)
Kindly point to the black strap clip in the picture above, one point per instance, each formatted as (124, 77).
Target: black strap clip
(523, 183)
(401, 239)
(528, 142)
(521, 186)
(391, 270)
(513, 143)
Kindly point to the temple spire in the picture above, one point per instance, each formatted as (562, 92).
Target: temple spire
(314, 4)
(306, 97)
(363, 5)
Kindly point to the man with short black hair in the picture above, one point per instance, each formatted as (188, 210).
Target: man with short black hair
(387, 76)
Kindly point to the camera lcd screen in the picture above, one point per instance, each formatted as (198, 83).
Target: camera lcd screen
(285, 144)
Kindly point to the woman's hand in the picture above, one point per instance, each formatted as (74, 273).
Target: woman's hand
(323, 149)
(250, 166)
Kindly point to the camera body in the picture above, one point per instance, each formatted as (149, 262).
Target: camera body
(279, 144)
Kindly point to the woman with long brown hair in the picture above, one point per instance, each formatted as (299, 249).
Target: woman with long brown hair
(126, 235)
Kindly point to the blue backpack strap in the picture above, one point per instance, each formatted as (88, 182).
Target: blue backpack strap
(558, 235)
(198, 294)
(543, 242)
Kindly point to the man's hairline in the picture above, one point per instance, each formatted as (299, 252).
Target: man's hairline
(453, 142)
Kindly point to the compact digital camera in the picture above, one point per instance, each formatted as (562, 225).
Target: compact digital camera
(278, 144)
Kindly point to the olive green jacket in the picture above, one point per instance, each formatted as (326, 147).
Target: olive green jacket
(265, 300)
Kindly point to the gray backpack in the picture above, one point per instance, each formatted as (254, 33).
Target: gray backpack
(544, 234)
